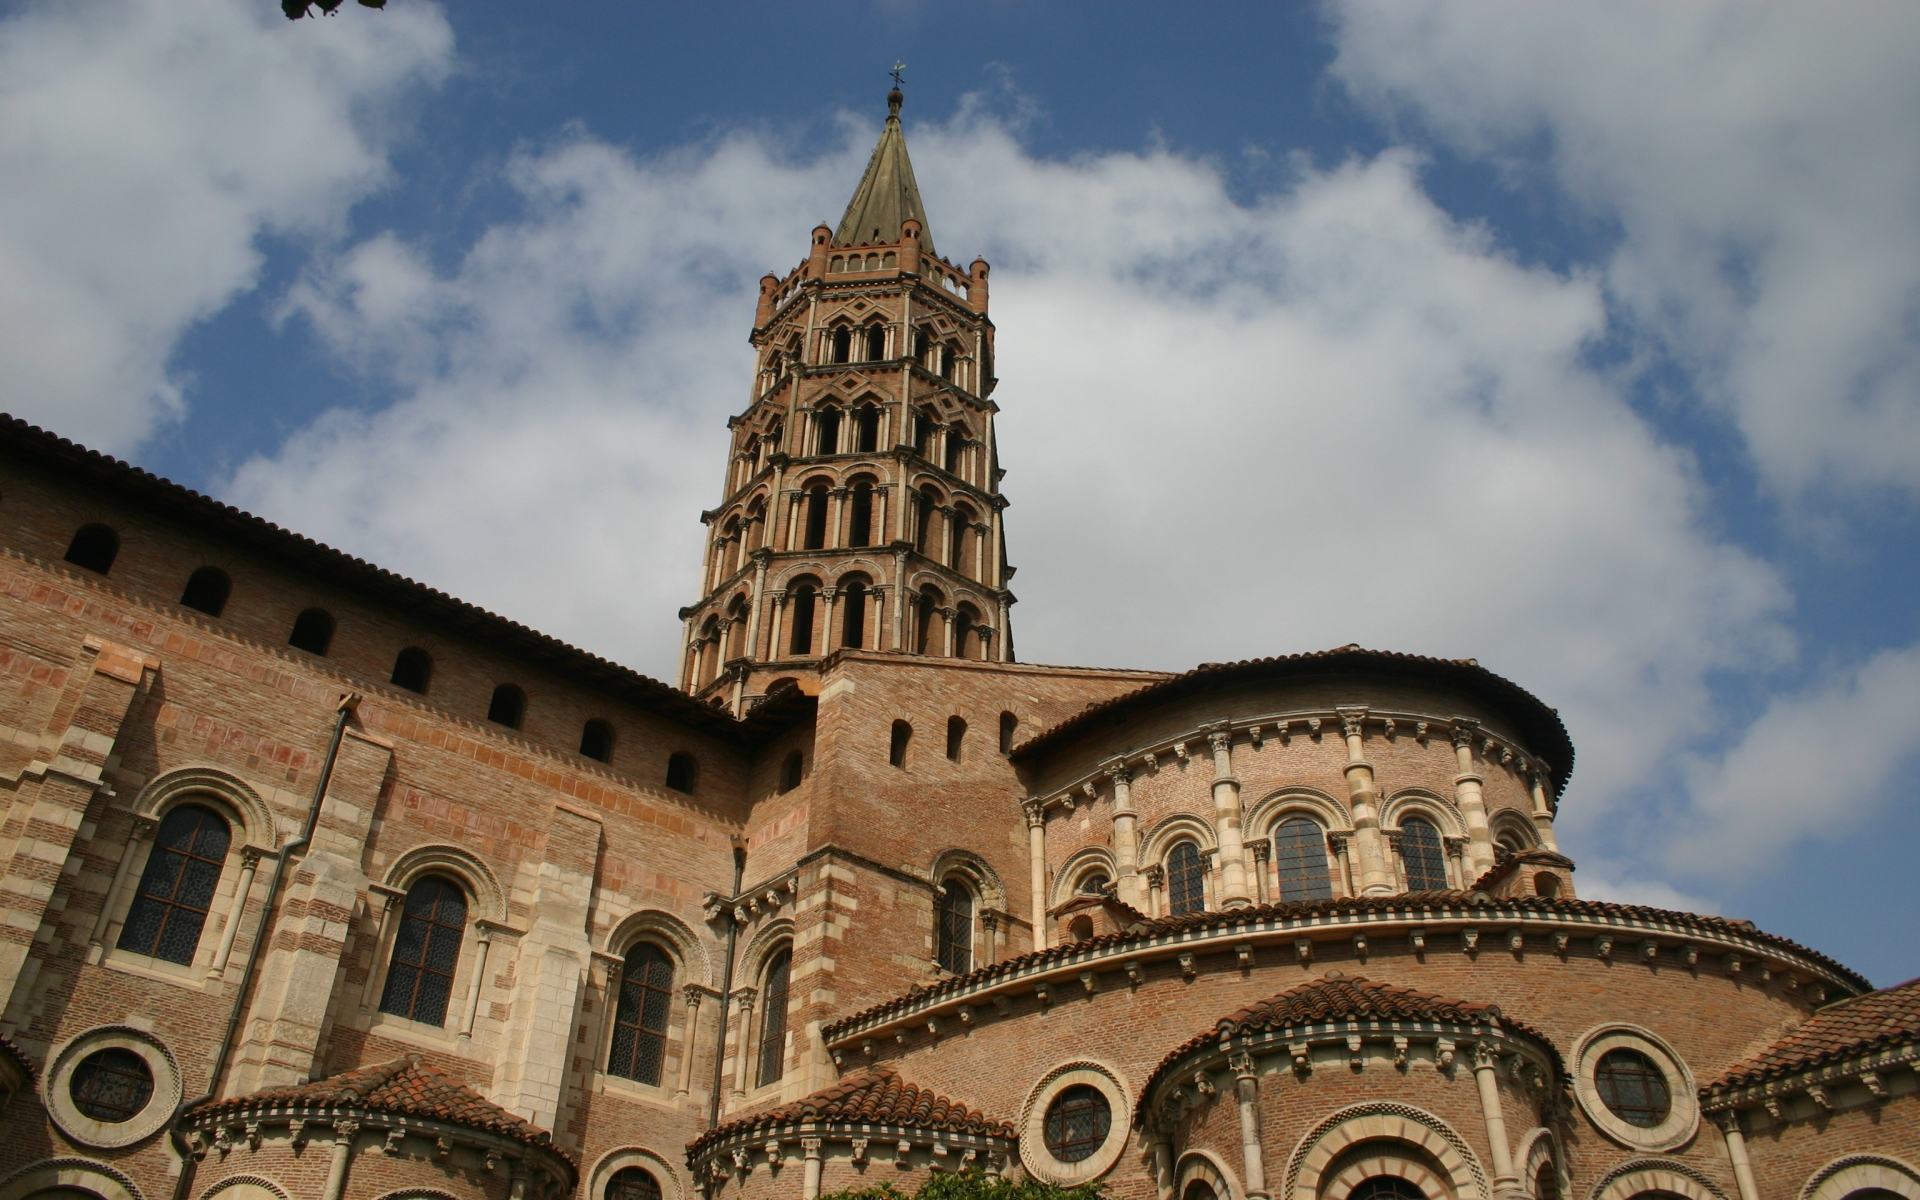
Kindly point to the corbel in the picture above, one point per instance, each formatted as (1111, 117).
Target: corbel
(442, 1148)
(1560, 940)
(1244, 952)
(1090, 981)
(1203, 1083)
(1135, 976)
(1820, 1097)
(965, 1013)
(860, 1150)
(1302, 1059)
(1420, 732)
(1389, 728)
(772, 1151)
(1470, 940)
(1418, 937)
(1044, 991)
(1180, 750)
(900, 1035)
(1690, 954)
(933, 1027)
(1313, 728)
(1303, 949)
(902, 1155)
(867, 1047)
(1516, 941)
(1443, 1053)
(1003, 1004)
(1187, 968)
(1649, 950)
(394, 1138)
(1360, 946)
(1603, 946)
(1873, 1083)
(1400, 1051)
(1355, 1060)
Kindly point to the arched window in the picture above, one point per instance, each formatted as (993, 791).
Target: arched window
(842, 344)
(773, 1022)
(94, 547)
(1200, 1189)
(953, 927)
(176, 889)
(897, 750)
(632, 1183)
(956, 443)
(925, 505)
(860, 519)
(683, 771)
(508, 706)
(737, 628)
(1424, 856)
(1546, 885)
(853, 629)
(956, 737)
(923, 635)
(792, 770)
(966, 632)
(312, 632)
(802, 615)
(948, 354)
(923, 427)
(426, 951)
(207, 591)
(1186, 879)
(1546, 1182)
(867, 429)
(596, 740)
(1510, 841)
(826, 423)
(922, 346)
(964, 541)
(640, 1016)
(1300, 853)
(1094, 884)
(816, 532)
(412, 669)
(876, 342)
(1009, 725)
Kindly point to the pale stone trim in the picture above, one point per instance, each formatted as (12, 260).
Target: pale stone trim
(1087, 860)
(672, 1186)
(259, 1183)
(680, 941)
(1389, 1121)
(1683, 1118)
(1638, 1175)
(1856, 1172)
(1033, 1117)
(80, 1173)
(489, 899)
(1209, 1167)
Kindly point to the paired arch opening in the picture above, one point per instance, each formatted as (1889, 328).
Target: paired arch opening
(412, 670)
(207, 591)
(93, 548)
(312, 632)
(508, 706)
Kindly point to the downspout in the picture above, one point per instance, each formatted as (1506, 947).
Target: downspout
(348, 703)
(726, 986)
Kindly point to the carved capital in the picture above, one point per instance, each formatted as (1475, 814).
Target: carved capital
(1352, 719)
(1484, 1058)
(692, 993)
(1261, 848)
(346, 1130)
(1464, 730)
(1036, 814)
(1156, 875)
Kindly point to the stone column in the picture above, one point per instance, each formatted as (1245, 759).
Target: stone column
(1234, 892)
(1126, 835)
(877, 630)
(946, 534)
(1485, 1067)
(1456, 849)
(343, 1134)
(1163, 1165)
(690, 1040)
(830, 629)
(1156, 884)
(742, 1039)
(777, 600)
(1375, 877)
(1729, 1123)
(839, 531)
(139, 835)
(810, 1180)
(1248, 1088)
(1468, 798)
(946, 629)
(380, 902)
(1000, 647)
(761, 558)
(990, 935)
(900, 604)
(483, 945)
(1262, 850)
(1037, 852)
(1339, 840)
(1542, 807)
(249, 863)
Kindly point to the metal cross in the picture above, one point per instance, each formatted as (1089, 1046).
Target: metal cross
(898, 68)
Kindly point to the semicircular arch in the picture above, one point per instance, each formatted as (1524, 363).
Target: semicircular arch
(1080, 864)
(976, 870)
(1209, 1168)
(1861, 1172)
(651, 924)
(1419, 802)
(1383, 1121)
(243, 806)
(1269, 811)
(489, 899)
(1668, 1175)
(81, 1174)
(1162, 834)
(672, 1187)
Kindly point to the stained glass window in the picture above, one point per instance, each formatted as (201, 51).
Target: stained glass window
(1078, 1122)
(1186, 879)
(170, 908)
(773, 1025)
(426, 951)
(640, 1017)
(1426, 861)
(1632, 1086)
(112, 1085)
(1300, 851)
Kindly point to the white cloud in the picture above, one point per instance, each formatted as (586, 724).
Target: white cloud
(1762, 164)
(144, 146)
(1337, 416)
(1606, 881)
(1818, 763)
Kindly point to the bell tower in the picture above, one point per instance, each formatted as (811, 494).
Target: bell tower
(861, 504)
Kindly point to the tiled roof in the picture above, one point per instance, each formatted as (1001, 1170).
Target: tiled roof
(878, 1097)
(230, 525)
(1845, 1029)
(405, 1087)
(1353, 906)
(1538, 726)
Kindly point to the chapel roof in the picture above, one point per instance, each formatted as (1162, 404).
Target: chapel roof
(876, 1097)
(1337, 998)
(887, 195)
(406, 1086)
(1629, 917)
(78, 465)
(1539, 726)
(1844, 1029)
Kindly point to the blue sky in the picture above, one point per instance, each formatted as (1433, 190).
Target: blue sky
(1583, 340)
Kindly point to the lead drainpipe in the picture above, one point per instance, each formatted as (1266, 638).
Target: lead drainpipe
(188, 1163)
(726, 988)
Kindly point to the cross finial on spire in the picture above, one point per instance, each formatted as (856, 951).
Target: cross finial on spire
(898, 73)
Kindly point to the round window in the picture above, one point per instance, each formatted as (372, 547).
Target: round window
(112, 1086)
(1386, 1187)
(1633, 1087)
(1078, 1122)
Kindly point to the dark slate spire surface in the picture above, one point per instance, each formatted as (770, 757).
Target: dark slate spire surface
(887, 194)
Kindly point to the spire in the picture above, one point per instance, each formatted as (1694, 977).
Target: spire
(887, 194)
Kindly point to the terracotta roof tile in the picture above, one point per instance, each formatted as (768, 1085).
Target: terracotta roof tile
(1459, 901)
(1845, 1029)
(877, 1097)
(406, 1087)
(1539, 726)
